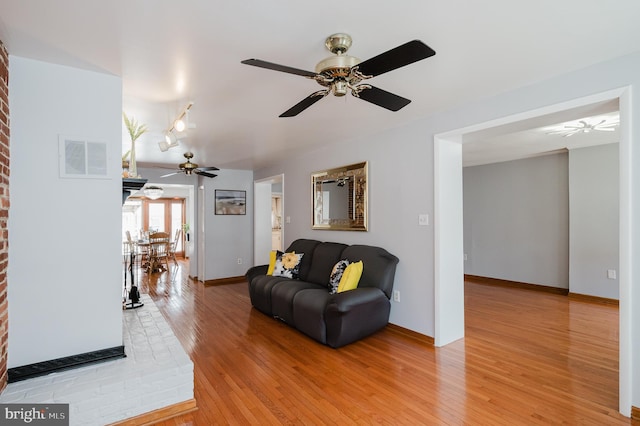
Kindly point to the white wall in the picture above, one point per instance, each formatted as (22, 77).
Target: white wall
(228, 237)
(516, 220)
(525, 221)
(401, 187)
(594, 224)
(65, 273)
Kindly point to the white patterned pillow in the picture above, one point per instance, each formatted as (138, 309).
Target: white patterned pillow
(336, 274)
(287, 265)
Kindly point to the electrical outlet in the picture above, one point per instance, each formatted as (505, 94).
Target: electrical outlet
(611, 274)
(239, 261)
(396, 295)
(465, 256)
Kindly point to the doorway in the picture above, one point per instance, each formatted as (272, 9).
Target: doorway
(165, 215)
(142, 215)
(268, 229)
(448, 238)
(276, 220)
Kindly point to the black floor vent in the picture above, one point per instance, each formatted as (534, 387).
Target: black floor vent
(17, 374)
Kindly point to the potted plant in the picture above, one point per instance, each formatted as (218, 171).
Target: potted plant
(135, 131)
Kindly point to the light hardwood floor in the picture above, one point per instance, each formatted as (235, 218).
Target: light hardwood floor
(528, 358)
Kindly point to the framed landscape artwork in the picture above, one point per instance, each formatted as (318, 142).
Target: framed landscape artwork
(229, 202)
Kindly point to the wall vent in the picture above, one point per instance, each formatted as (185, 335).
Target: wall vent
(82, 158)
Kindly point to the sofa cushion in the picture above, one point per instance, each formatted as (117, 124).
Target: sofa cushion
(324, 259)
(260, 291)
(287, 265)
(305, 247)
(282, 295)
(336, 275)
(273, 255)
(308, 313)
(350, 277)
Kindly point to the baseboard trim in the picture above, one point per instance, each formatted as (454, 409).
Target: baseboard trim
(413, 335)
(594, 299)
(225, 281)
(29, 371)
(635, 413)
(515, 284)
(159, 415)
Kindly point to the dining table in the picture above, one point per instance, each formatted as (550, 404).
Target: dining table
(148, 250)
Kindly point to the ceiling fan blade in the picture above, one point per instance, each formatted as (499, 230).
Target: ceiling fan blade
(400, 56)
(277, 67)
(171, 174)
(383, 98)
(201, 173)
(304, 104)
(208, 168)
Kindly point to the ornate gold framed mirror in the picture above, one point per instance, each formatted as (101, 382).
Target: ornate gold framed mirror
(340, 198)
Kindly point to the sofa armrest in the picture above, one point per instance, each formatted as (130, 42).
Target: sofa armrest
(254, 271)
(347, 300)
(354, 314)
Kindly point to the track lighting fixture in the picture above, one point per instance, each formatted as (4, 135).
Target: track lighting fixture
(170, 138)
(170, 141)
(179, 125)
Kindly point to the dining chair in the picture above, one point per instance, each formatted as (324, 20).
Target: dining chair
(139, 249)
(159, 246)
(174, 246)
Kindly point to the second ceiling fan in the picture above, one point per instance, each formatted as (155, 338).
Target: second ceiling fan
(190, 168)
(342, 73)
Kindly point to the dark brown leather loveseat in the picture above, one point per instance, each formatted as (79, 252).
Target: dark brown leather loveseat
(306, 303)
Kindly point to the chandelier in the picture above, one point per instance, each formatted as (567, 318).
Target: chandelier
(153, 192)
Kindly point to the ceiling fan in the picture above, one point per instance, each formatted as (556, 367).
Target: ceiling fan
(341, 73)
(188, 168)
(584, 127)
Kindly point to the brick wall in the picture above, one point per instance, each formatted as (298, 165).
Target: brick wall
(4, 209)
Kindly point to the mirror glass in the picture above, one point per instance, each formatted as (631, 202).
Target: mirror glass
(340, 198)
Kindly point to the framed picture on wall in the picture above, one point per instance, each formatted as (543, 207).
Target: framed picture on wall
(229, 202)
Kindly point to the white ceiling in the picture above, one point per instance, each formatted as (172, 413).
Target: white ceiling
(169, 53)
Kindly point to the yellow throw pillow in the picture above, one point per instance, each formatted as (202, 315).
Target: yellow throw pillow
(272, 261)
(351, 277)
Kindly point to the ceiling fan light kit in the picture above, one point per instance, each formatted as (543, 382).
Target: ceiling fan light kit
(342, 73)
